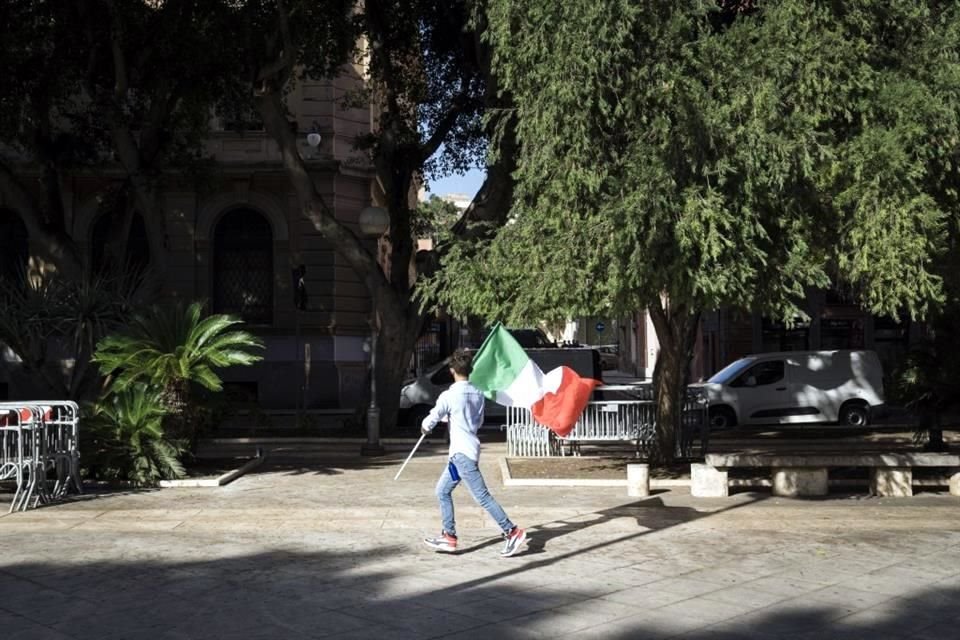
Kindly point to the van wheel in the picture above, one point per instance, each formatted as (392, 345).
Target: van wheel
(722, 418)
(855, 414)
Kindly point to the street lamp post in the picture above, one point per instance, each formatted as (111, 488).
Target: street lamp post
(372, 446)
(374, 222)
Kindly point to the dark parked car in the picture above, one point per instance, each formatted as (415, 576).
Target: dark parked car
(528, 338)
(419, 394)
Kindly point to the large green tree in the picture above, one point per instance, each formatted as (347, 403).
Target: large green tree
(687, 155)
(117, 89)
(120, 95)
(427, 84)
(97, 81)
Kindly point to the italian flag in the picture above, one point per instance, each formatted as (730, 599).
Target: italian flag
(504, 372)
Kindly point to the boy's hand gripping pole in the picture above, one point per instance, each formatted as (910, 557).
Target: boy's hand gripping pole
(422, 436)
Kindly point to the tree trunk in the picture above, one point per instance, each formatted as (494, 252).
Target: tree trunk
(676, 327)
(179, 424)
(120, 212)
(930, 422)
(55, 246)
(395, 314)
(394, 351)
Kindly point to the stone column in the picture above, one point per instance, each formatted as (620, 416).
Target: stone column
(892, 482)
(638, 480)
(707, 481)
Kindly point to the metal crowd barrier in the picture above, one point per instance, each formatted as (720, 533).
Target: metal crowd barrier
(40, 450)
(628, 416)
(529, 440)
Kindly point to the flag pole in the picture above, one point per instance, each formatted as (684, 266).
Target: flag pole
(422, 436)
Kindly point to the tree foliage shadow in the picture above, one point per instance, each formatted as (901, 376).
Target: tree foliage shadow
(385, 592)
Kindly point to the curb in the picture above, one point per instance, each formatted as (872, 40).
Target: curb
(305, 440)
(510, 481)
(219, 481)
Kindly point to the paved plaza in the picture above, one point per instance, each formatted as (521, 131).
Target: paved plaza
(319, 545)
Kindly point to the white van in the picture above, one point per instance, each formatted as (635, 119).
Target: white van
(797, 387)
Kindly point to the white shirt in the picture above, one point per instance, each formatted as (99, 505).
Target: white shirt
(462, 406)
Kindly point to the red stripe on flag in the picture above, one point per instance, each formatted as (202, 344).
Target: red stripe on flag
(560, 411)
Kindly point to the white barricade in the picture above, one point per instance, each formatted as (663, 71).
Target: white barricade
(529, 440)
(631, 417)
(39, 440)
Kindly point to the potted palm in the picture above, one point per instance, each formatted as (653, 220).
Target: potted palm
(173, 348)
(124, 438)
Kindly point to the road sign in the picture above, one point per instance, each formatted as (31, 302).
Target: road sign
(600, 327)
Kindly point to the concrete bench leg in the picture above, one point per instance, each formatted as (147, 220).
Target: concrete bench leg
(638, 480)
(707, 481)
(892, 481)
(955, 483)
(799, 481)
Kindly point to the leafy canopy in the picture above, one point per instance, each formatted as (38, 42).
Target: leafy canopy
(721, 158)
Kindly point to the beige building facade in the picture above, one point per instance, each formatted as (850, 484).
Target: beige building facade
(238, 240)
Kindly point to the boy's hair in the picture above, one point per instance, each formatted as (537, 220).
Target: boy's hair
(461, 362)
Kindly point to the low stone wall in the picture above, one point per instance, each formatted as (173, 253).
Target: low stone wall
(793, 475)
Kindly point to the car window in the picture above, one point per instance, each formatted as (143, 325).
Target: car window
(442, 377)
(731, 371)
(527, 338)
(763, 373)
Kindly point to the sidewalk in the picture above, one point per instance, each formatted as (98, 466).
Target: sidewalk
(320, 543)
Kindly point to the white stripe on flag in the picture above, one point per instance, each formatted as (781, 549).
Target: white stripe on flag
(525, 389)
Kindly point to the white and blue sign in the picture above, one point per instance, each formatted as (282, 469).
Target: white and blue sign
(600, 327)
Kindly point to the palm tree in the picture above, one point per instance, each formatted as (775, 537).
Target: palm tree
(173, 347)
(49, 321)
(124, 438)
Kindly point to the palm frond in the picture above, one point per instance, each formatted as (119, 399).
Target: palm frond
(176, 345)
(125, 439)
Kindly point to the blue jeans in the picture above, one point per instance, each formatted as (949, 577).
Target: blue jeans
(470, 474)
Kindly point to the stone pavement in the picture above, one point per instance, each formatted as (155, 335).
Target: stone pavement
(321, 544)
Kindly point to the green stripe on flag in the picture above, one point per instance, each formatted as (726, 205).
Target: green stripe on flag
(498, 362)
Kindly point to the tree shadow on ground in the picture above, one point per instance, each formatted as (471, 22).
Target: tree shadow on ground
(91, 491)
(166, 588)
(539, 535)
(650, 515)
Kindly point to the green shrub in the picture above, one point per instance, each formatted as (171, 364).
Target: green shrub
(172, 348)
(928, 381)
(123, 438)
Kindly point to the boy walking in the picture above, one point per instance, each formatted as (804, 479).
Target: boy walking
(462, 407)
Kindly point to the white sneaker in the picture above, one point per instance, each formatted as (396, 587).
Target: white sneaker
(444, 543)
(514, 541)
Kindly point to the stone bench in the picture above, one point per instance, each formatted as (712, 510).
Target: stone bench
(797, 474)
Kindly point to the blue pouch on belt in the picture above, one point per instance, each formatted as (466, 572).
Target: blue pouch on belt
(452, 469)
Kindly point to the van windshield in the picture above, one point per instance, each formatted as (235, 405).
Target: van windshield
(731, 371)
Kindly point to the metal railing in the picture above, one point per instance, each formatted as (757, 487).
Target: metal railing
(39, 440)
(628, 416)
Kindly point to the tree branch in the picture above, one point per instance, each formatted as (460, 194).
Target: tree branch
(347, 243)
(458, 105)
(282, 67)
(120, 77)
(58, 248)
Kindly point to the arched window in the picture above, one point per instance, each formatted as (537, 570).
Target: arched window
(14, 246)
(243, 266)
(137, 254)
